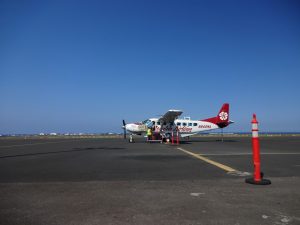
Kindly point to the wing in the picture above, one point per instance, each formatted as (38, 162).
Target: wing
(170, 116)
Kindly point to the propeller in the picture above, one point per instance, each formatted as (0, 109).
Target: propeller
(124, 128)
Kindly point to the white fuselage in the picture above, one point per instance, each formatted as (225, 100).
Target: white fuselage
(186, 127)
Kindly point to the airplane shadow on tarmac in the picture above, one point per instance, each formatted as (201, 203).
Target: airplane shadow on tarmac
(58, 152)
(204, 141)
(188, 142)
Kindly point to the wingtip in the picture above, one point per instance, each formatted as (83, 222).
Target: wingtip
(175, 110)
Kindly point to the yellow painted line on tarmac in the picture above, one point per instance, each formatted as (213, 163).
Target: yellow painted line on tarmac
(199, 156)
(242, 154)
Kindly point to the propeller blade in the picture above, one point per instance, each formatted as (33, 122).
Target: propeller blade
(124, 129)
(124, 133)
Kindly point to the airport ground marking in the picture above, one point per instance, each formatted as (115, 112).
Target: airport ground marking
(241, 154)
(201, 157)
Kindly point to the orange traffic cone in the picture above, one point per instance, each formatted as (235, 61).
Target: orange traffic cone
(258, 176)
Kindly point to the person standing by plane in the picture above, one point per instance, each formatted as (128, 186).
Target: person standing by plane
(154, 134)
(149, 133)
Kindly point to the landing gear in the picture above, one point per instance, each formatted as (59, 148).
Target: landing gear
(131, 140)
(187, 138)
(168, 137)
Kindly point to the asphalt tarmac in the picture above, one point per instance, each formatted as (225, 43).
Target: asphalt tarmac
(111, 181)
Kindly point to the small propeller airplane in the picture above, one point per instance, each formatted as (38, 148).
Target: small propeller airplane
(186, 127)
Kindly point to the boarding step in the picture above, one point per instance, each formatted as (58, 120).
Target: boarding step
(156, 137)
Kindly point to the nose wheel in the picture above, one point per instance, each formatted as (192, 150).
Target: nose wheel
(131, 140)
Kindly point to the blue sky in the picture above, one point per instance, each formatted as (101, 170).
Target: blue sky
(83, 66)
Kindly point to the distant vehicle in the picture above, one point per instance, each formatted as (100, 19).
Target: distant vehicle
(186, 127)
(53, 134)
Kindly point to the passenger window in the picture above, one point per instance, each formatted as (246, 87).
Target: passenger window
(183, 124)
(195, 124)
(158, 123)
(153, 122)
(178, 124)
(190, 124)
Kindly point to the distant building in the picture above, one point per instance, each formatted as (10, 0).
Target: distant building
(53, 134)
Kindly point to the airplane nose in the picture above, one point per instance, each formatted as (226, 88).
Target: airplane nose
(129, 127)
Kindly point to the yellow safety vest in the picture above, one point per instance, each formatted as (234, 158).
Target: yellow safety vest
(149, 132)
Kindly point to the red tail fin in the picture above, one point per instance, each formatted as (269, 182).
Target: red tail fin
(222, 118)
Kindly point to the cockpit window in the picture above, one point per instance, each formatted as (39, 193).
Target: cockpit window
(148, 123)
